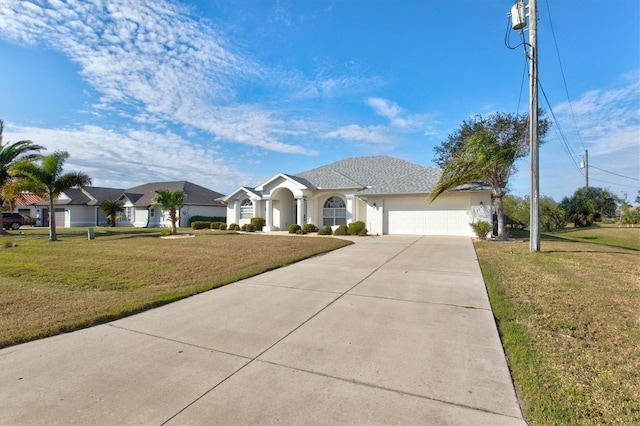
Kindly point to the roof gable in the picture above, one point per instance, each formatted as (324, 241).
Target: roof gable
(143, 195)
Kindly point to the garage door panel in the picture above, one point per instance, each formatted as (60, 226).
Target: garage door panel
(416, 216)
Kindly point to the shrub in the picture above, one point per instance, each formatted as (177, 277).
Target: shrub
(200, 224)
(357, 228)
(325, 231)
(207, 219)
(341, 230)
(247, 227)
(223, 227)
(293, 228)
(310, 227)
(217, 225)
(258, 223)
(631, 217)
(234, 227)
(165, 231)
(481, 229)
(300, 231)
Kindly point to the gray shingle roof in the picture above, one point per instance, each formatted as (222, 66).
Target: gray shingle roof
(101, 194)
(143, 195)
(359, 172)
(378, 175)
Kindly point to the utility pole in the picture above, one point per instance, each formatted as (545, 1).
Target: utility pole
(534, 227)
(586, 168)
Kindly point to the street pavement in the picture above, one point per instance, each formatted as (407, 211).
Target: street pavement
(389, 330)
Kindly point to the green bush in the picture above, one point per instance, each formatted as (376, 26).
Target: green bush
(258, 223)
(234, 227)
(357, 228)
(201, 224)
(217, 225)
(222, 227)
(325, 231)
(481, 229)
(207, 219)
(341, 230)
(300, 231)
(248, 227)
(631, 217)
(293, 228)
(165, 231)
(309, 227)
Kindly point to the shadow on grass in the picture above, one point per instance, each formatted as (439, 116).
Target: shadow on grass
(557, 237)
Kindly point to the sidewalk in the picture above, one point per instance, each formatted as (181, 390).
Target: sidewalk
(390, 330)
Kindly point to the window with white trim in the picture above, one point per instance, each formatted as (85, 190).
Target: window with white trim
(246, 209)
(334, 212)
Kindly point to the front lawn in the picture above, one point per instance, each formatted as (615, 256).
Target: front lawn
(569, 320)
(51, 287)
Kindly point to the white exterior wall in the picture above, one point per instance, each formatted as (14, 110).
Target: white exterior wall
(374, 216)
(187, 212)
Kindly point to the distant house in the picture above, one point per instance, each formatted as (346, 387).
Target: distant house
(26, 205)
(139, 210)
(388, 194)
(81, 207)
(78, 207)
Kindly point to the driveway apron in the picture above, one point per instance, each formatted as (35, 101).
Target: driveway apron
(389, 330)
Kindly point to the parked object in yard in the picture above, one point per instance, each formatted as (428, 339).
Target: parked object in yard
(12, 221)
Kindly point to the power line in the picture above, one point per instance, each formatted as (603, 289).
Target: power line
(613, 183)
(564, 80)
(612, 173)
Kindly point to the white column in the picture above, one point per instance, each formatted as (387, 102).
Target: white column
(236, 212)
(350, 209)
(269, 218)
(300, 205)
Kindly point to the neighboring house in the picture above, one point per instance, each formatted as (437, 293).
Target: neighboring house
(388, 194)
(139, 210)
(78, 207)
(26, 205)
(81, 207)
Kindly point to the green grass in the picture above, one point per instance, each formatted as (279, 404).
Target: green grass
(569, 320)
(51, 287)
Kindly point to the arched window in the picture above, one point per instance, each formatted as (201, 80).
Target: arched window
(334, 212)
(246, 209)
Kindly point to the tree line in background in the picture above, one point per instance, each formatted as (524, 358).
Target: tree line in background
(585, 207)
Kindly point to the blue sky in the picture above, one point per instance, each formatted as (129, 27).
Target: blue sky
(229, 93)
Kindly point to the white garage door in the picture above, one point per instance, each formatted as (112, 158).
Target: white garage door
(416, 216)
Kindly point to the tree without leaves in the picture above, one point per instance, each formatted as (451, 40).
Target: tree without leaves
(171, 201)
(10, 154)
(112, 208)
(46, 178)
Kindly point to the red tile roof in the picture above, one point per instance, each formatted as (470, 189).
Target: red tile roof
(26, 199)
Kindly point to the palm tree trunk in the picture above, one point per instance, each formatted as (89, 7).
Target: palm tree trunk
(52, 218)
(172, 215)
(502, 235)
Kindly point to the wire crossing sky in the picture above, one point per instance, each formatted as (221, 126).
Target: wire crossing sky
(228, 93)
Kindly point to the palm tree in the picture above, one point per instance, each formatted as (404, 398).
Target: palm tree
(111, 208)
(47, 178)
(11, 153)
(481, 158)
(172, 201)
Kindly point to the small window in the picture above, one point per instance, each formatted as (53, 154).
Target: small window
(246, 209)
(152, 212)
(334, 212)
(129, 214)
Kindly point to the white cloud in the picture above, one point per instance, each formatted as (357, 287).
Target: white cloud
(608, 120)
(157, 58)
(133, 157)
(354, 132)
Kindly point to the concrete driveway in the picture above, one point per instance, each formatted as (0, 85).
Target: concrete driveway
(390, 330)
